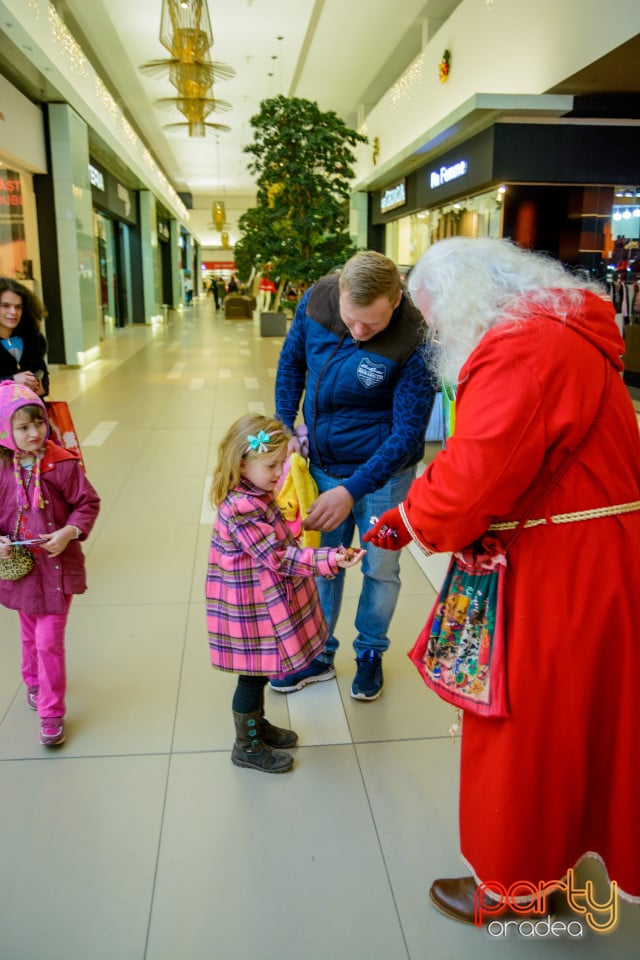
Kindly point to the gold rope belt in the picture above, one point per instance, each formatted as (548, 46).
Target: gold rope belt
(571, 517)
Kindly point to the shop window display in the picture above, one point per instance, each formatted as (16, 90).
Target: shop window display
(13, 245)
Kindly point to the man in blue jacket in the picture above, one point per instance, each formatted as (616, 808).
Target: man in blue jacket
(356, 349)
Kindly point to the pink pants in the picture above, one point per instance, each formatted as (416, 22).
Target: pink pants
(43, 658)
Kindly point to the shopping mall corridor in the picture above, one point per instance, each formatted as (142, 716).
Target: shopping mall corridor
(138, 839)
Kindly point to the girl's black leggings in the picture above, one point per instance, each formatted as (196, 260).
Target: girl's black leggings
(249, 694)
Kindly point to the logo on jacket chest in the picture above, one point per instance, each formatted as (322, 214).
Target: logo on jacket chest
(370, 374)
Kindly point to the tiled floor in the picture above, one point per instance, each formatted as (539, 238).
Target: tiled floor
(138, 839)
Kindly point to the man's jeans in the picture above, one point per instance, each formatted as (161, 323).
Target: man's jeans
(380, 568)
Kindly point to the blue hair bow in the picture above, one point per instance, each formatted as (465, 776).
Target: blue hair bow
(259, 443)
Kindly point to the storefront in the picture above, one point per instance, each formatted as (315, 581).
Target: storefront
(548, 186)
(115, 215)
(22, 153)
(163, 225)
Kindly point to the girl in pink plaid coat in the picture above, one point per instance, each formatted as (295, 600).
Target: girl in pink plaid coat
(263, 613)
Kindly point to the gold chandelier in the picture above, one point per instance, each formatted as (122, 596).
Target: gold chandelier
(218, 214)
(185, 31)
(218, 207)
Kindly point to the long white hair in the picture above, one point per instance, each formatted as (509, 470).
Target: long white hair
(465, 286)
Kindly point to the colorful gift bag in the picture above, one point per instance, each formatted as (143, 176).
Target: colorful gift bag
(63, 431)
(460, 653)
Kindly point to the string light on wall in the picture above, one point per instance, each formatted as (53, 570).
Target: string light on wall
(70, 47)
(405, 86)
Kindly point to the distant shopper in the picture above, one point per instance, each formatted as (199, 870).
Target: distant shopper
(213, 291)
(356, 350)
(263, 615)
(22, 343)
(47, 502)
(232, 286)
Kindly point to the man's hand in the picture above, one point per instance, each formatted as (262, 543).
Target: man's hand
(329, 510)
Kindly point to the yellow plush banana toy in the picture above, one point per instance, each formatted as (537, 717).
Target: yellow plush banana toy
(296, 492)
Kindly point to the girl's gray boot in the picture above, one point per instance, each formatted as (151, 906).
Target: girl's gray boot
(250, 750)
(276, 736)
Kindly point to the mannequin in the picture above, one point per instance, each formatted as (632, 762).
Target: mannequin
(265, 291)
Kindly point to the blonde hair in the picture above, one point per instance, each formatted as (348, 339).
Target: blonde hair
(235, 447)
(369, 275)
(464, 286)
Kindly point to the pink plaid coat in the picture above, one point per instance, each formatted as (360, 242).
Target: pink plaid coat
(263, 612)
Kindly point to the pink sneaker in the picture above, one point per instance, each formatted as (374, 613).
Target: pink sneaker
(32, 697)
(52, 731)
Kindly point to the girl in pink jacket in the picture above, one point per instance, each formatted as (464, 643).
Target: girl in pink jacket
(263, 614)
(47, 502)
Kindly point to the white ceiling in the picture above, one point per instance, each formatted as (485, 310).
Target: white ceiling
(344, 54)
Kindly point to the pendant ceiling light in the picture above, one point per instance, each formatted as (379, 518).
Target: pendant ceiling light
(218, 214)
(218, 208)
(185, 31)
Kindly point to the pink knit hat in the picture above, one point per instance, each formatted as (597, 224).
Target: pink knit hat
(12, 397)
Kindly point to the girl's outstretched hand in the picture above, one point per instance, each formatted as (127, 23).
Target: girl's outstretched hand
(348, 556)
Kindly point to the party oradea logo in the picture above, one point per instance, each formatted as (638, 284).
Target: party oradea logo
(526, 909)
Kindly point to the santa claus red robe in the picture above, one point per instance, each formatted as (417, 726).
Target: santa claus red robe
(560, 777)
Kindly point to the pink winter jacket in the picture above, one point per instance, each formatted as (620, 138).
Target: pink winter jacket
(68, 498)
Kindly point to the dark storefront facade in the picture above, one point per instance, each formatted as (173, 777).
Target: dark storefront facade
(115, 221)
(547, 186)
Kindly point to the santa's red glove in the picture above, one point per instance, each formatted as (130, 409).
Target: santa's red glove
(388, 532)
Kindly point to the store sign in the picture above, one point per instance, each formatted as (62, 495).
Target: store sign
(218, 265)
(96, 178)
(394, 196)
(10, 197)
(446, 174)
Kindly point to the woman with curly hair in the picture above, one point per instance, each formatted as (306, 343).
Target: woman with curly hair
(22, 343)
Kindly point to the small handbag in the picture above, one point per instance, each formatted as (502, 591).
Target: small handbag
(20, 563)
(461, 652)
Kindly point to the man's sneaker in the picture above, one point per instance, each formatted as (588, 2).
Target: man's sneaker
(52, 731)
(314, 673)
(32, 697)
(367, 683)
